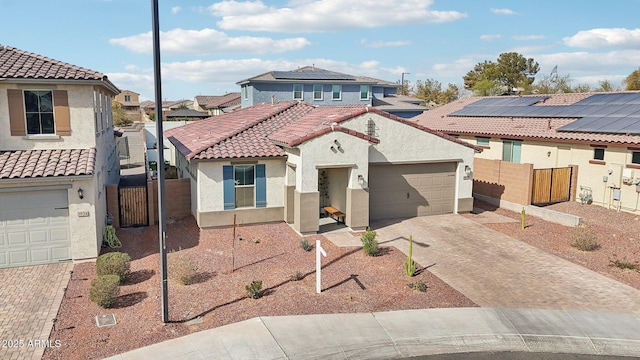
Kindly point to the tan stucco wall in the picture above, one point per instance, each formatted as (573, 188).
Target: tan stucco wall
(243, 216)
(357, 209)
(305, 218)
(590, 175)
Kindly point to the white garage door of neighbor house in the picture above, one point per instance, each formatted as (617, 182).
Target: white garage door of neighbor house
(34, 227)
(408, 190)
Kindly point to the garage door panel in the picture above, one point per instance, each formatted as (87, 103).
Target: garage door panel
(430, 189)
(34, 229)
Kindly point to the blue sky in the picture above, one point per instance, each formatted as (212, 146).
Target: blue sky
(207, 46)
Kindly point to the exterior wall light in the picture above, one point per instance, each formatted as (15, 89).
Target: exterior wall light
(467, 170)
(81, 193)
(360, 179)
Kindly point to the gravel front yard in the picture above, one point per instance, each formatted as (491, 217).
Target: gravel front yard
(352, 282)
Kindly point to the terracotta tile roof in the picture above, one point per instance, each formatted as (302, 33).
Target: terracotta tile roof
(19, 64)
(518, 128)
(46, 163)
(255, 131)
(220, 101)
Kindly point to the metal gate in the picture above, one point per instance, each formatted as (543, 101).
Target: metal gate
(133, 206)
(551, 186)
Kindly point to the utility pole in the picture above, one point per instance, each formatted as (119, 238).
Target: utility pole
(164, 301)
(403, 92)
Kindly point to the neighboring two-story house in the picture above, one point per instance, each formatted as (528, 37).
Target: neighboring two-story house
(323, 87)
(598, 132)
(130, 102)
(57, 153)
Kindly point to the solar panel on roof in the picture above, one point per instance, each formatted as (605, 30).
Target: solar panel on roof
(311, 75)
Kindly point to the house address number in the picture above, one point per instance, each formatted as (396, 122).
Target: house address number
(83, 213)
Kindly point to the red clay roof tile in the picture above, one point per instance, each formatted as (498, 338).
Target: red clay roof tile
(24, 164)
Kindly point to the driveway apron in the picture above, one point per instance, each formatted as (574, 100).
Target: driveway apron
(495, 270)
(29, 301)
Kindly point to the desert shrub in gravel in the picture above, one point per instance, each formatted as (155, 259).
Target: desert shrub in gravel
(624, 265)
(182, 270)
(114, 263)
(582, 238)
(105, 290)
(254, 290)
(418, 285)
(304, 244)
(369, 242)
(297, 276)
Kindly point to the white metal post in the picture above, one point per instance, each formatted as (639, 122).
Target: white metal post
(319, 251)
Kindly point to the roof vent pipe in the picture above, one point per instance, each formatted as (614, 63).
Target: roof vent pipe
(273, 99)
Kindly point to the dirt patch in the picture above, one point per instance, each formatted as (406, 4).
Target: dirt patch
(352, 282)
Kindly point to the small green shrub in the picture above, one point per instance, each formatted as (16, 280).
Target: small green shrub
(254, 290)
(114, 263)
(582, 238)
(624, 265)
(304, 243)
(182, 270)
(297, 276)
(369, 242)
(104, 290)
(418, 285)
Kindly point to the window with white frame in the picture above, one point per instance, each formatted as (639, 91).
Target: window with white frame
(482, 141)
(364, 92)
(297, 92)
(244, 181)
(336, 92)
(127, 98)
(38, 107)
(245, 92)
(511, 150)
(317, 92)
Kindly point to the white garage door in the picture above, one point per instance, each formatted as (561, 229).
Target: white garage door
(34, 227)
(401, 191)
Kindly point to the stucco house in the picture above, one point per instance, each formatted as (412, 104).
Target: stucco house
(217, 104)
(57, 153)
(324, 87)
(286, 161)
(130, 102)
(598, 132)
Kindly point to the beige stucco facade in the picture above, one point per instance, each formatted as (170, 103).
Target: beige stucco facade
(91, 127)
(615, 166)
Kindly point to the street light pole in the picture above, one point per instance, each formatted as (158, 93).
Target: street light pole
(164, 301)
(403, 82)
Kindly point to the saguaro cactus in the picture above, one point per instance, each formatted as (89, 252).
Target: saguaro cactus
(409, 264)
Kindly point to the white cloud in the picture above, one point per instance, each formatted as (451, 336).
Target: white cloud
(490, 37)
(612, 62)
(603, 38)
(503, 11)
(327, 15)
(380, 44)
(207, 42)
(527, 37)
(176, 9)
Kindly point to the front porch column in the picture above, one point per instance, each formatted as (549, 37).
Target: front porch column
(357, 209)
(306, 212)
(289, 203)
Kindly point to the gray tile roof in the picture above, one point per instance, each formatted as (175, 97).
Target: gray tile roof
(23, 164)
(269, 77)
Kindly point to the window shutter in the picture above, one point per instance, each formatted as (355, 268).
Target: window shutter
(229, 187)
(17, 122)
(261, 186)
(61, 112)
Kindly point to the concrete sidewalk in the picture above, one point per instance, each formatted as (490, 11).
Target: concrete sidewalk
(398, 334)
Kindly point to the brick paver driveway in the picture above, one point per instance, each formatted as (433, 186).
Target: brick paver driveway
(29, 301)
(495, 270)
